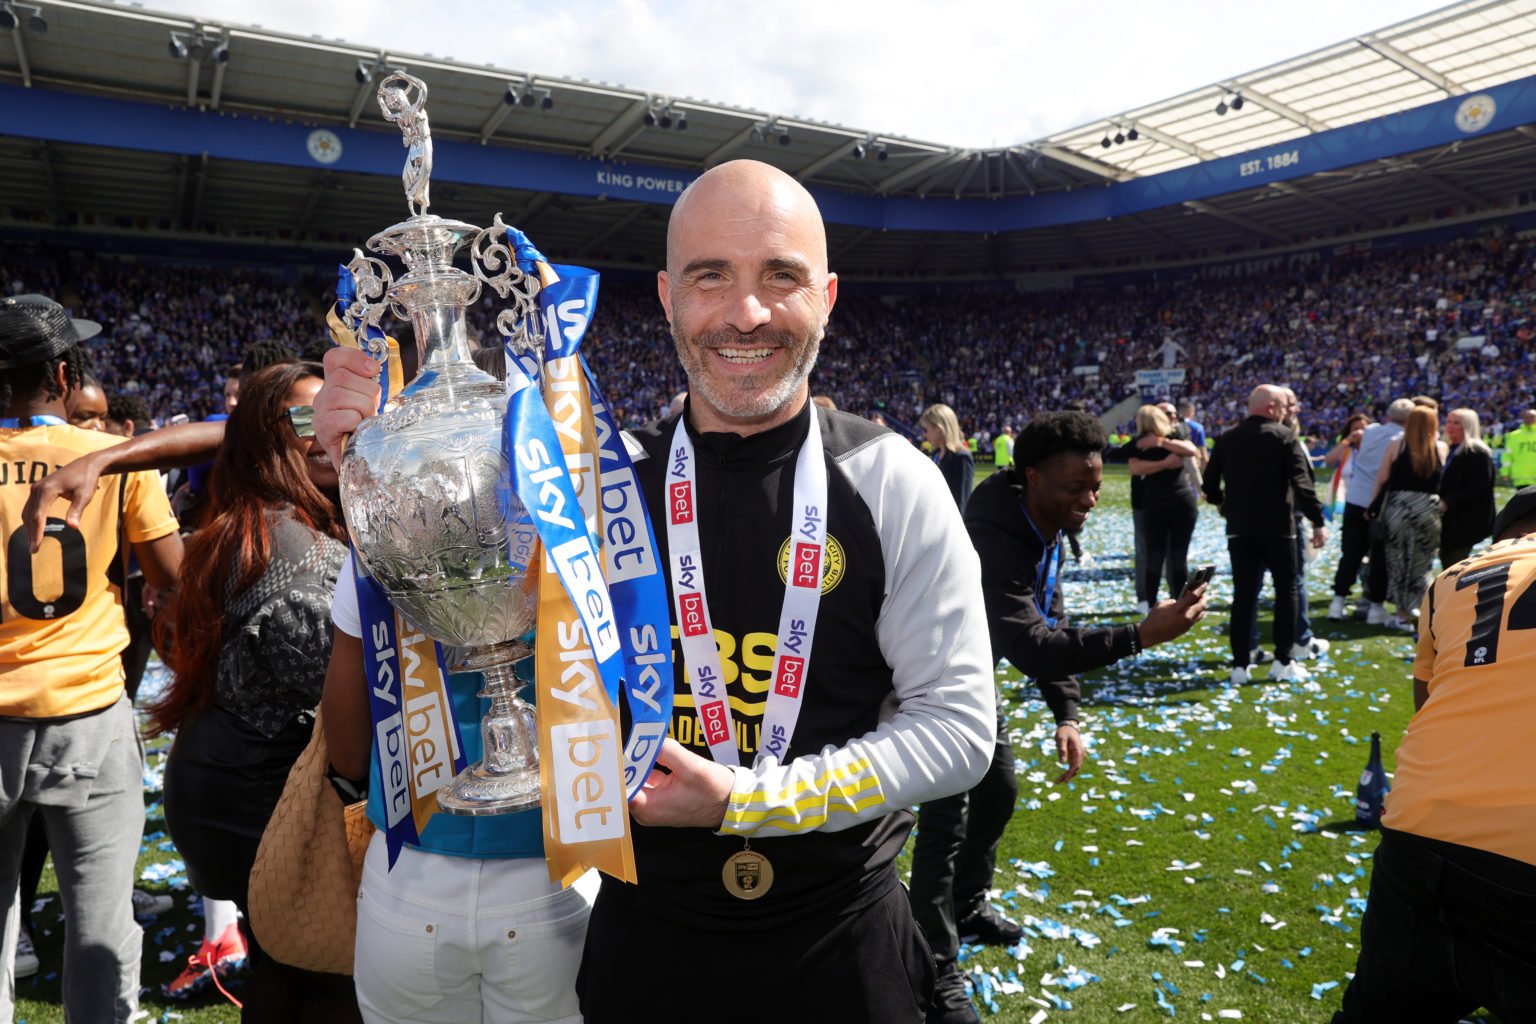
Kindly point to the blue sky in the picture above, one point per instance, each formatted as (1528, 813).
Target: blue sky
(980, 73)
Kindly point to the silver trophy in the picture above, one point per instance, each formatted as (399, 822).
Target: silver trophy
(429, 504)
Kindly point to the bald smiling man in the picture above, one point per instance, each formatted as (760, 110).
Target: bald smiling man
(765, 844)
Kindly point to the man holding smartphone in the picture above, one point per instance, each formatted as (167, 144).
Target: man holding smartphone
(1018, 519)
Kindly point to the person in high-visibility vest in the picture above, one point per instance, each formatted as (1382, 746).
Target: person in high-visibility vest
(1520, 451)
(1002, 447)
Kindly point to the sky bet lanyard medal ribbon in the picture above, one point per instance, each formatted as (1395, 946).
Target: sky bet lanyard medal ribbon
(552, 444)
(415, 733)
(1050, 569)
(797, 618)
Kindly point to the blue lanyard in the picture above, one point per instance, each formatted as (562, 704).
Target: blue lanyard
(1047, 572)
(41, 419)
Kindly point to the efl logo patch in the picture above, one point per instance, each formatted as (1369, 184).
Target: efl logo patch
(680, 502)
(692, 606)
(806, 566)
(791, 675)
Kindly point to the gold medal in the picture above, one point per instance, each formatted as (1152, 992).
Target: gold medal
(747, 874)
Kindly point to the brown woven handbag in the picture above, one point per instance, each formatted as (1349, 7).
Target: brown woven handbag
(303, 886)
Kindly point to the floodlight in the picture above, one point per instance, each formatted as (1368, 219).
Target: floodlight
(880, 153)
(8, 20)
(1237, 102)
(859, 151)
(681, 123)
(650, 119)
(220, 53)
(35, 23)
(1106, 142)
(1221, 108)
(178, 43)
(546, 101)
(364, 73)
(1119, 138)
(1132, 135)
(783, 136)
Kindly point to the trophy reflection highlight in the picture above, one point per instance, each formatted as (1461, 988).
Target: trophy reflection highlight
(426, 489)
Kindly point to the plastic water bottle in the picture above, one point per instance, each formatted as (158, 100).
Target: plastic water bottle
(1373, 788)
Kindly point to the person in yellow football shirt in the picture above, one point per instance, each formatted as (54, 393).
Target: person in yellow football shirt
(1448, 923)
(68, 747)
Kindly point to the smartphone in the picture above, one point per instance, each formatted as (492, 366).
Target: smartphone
(1199, 576)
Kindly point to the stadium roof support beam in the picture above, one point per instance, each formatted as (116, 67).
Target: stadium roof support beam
(973, 164)
(1419, 68)
(494, 121)
(731, 145)
(1320, 202)
(850, 245)
(194, 72)
(216, 90)
(920, 167)
(50, 175)
(1274, 106)
(1173, 245)
(614, 227)
(364, 90)
(1157, 135)
(536, 206)
(620, 126)
(1238, 220)
(22, 63)
(316, 192)
(821, 163)
(1082, 163)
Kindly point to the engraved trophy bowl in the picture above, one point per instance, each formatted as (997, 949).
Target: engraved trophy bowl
(429, 506)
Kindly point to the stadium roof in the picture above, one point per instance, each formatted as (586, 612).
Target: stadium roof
(1453, 51)
(123, 51)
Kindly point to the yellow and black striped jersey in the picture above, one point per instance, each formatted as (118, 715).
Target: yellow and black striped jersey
(61, 610)
(1466, 768)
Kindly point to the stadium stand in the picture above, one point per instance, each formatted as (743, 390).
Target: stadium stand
(1347, 330)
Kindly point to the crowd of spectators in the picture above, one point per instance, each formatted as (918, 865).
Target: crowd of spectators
(1348, 331)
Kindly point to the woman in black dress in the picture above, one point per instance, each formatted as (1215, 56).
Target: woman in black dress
(1164, 500)
(1466, 488)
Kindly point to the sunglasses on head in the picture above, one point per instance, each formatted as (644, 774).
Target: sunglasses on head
(302, 419)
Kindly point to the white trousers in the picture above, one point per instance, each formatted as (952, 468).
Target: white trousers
(450, 940)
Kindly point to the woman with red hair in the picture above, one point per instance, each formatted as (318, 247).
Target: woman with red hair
(247, 641)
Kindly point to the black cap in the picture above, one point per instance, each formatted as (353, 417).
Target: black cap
(1521, 505)
(34, 329)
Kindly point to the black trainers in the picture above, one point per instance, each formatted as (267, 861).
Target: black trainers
(951, 1004)
(988, 927)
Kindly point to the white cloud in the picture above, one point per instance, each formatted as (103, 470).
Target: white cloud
(975, 73)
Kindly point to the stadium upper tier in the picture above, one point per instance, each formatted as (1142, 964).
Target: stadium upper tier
(122, 119)
(1348, 330)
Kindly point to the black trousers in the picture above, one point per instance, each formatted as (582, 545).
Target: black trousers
(1449, 556)
(1167, 527)
(1444, 933)
(1250, 557)
(867, 966)
(1354, 545)
(956, 849)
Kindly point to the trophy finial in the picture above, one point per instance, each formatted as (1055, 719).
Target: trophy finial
(403, 99)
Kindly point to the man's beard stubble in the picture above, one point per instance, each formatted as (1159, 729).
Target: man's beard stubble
(752, 397)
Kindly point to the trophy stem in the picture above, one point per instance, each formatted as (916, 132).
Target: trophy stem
(506, 779)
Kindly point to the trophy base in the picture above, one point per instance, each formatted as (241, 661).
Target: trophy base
(476, 791)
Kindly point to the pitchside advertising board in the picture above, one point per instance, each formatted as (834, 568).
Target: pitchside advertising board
(1159, 382)
(127, 124)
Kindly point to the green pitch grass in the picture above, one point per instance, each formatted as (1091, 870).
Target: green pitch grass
(1202, 867)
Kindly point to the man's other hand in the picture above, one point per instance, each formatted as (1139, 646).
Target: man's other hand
(1070, 751)
(1319, 536)
(692, 793)
(349, 396)
(1171, 619)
